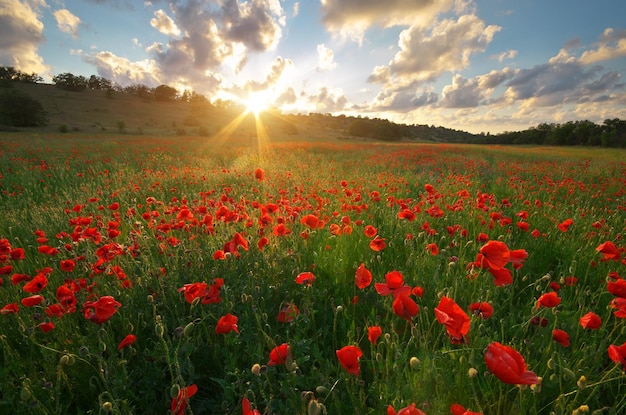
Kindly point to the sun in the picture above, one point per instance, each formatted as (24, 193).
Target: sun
(256, 103)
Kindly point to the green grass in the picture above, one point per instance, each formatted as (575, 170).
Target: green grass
(50, 181)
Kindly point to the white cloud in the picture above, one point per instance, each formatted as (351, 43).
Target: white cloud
(612, 45)
(164, 24)
(328, 100)
(21, 33)
(67, 22)
(325, 58)
(123, 71)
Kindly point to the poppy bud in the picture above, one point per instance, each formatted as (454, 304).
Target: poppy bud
(321, 390)
(313, 408)
(414, 362)
(188, 329)
(25, 394)
(472, 372)
(568, 374)
(83, 351)
(256, 369)
(107, 406)
(64, 360)
(174, 391)
(582, 382)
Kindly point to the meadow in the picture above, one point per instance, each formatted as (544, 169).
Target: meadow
(213, 276)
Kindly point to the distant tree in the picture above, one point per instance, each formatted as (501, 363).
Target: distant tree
(70, 82)
(360, 128)
(18, 109)
(139, 90)
(9, 73)
(99, 83)
(165, 93)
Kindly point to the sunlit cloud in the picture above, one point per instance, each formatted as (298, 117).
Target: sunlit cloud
(21, 34)
(325, 58)
(612, 45)
(164, 24)
(67, 22)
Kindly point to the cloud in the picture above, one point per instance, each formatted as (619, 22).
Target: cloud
(21, 33)
(67, 22)
(164, 24)
(328, 101)
(612, 45)
(272, 78)
(352, 17)
(122, 70)
(287, 97)
(508, 54)
(447, 48)
(325, 58)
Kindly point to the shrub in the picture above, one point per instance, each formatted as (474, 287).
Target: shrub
(21, 110)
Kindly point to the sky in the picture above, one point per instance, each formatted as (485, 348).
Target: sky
(472, 65)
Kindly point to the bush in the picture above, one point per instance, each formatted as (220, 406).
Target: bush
(21, 110)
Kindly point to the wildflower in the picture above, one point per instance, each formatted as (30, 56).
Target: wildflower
(457, 409)
(482, 309)
(32, 301)
(349, 358)
(378, 244)
(561, 337)
(226, 324)
(590, 321)
(405, 307)
(127, 341)
(409, 410)
(394, 285)
(453, 317)
(12, 308)
(179, 403)
(38, 283)
(259, 174)
(508, 365)
(362, 277)
(287, 313)
(46, 326)
(279, 355)
(101, 310)
(549, 300)
(432, 248)
(609, 251)
(564, 226)
(373, 333)
(618, 354)
(246, 409)
(305, 278)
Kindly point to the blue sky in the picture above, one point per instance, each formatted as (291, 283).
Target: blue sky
(473, 65)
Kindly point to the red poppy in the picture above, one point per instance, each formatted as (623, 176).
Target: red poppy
(378, 244)
(18, 278)
(6, 269)
(362, 277)
(432, 248)
(12, 308)
(179, 403)
(405, 307)
(618, 354)
(38, 283)
(394, 285)
(617, 288)
(226, 324)
(501, 277)
(370, 231)
(609, 250)
(619, 304)
(549, 300)
(262, 243)
(409, 410)
(46, 326)
(312, 221)
(32, 301)
(349, 358)
(508, 365)
(287, 313)
(246, 409)
(305, 278)
(406, 214)
(127, 341)
(564, 226)
(67, 265)
(259, 174)
(495, 255)
(102, 310)
(456, 409)
(279, 355)
(590, 321)
(456, 321)
(561, 337)
(373, 333)
(482, 309)
(194, 290)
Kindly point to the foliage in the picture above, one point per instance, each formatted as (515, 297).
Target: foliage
(70, 82)
(165, 93)
(18, 109)
(9, 73)
(234, 268)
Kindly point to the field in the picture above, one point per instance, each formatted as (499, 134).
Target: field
(148, 274)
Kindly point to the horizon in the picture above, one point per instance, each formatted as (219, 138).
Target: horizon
(477, 66)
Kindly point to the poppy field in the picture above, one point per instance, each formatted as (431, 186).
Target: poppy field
(144, 275)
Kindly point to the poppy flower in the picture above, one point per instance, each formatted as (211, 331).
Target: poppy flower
(561, 337)
(508, 365)
(432, 248)
(406, 214)
(394, 285)
(405, 307)
(370, 231)
(378, 244)
(259, 174)
(409, 410)
(311, 221)
(194, 290)
(46, 326)
(373, 333)
(619, 304)
(6, 269)
(127, 341)
(38, 283)
(362, 277)
(12, 308)
(67, 265)
(279, 355)
(457, 409)
(590, 321)
(246, 409)
(32, 301)
(482, 309)
(501, 277)
(564, 226)
(226, 324)
(262, 243)
(618, 354)
(349, 358)
(19, 278)
(617, 288)
(456, 321)
(102, 310)
(287, 313)
(495, 255)
(179, 403)
(305, 278)
(548, 300)
(609, 250)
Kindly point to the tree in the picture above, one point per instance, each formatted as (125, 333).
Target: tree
(100, 83)
(18, 109)
(70, 82)
(9, 73)
(165, 93)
